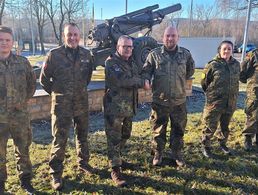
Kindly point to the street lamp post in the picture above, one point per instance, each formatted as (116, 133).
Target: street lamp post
(126, 3)
(191, 19)
(246, 29)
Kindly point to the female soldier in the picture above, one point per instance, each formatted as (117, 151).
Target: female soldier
(220, 84)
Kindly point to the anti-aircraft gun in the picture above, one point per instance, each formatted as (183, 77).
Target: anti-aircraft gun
(105, 35)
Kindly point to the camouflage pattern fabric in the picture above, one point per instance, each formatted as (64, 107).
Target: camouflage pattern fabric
(120, 103)
(169, 75)
(159, 120)
(118, 131)
(122, 81)
(220, 82)
(249, 75)
(17, 85)
(65, 76)
(60, 132)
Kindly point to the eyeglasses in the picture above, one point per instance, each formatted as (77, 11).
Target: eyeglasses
(126, 46)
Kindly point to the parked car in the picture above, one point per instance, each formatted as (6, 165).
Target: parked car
(235, 49)
(37, 68)
(249, 47)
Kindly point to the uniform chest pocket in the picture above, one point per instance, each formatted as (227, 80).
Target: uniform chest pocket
(181, 69)
(161, 68)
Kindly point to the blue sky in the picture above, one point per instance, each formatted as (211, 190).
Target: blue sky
(112, 8)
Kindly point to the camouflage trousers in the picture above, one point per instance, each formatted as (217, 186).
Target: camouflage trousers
(215, 119)
(159, 118)
(18, 128)
(251, 125)
(60, 131)
(118, 130)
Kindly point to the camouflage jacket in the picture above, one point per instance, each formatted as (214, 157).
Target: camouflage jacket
(249, 74)
(169, 75)
(220, 82)
(17, 84)
(122, 82)
(66, 79)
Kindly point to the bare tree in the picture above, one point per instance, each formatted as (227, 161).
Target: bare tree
(71, 7)
(51, 8)
(203, 15)
(2, 6)
(39, 12)
(60, 11)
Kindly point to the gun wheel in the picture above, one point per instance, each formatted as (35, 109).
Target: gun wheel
(142, 47)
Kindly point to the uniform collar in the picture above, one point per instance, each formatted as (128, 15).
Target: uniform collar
(177, 50)
(218, 58)
(118, 56)
(10, 58)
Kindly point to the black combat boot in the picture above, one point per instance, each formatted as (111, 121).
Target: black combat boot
(86, 168)
(26, 185)
(2, 187)
(157, 159)
(127, 165)
(57, 183)
(179, 158)
(248, 143)
(224, 148)
(117, 177)
(206, 151)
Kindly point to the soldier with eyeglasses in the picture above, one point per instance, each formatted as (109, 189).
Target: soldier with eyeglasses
(120, 103)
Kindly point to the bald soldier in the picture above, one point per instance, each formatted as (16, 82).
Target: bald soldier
(17, 86)
(169, 66)
(65, 76)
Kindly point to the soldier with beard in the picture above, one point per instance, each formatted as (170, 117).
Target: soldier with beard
(169, 66)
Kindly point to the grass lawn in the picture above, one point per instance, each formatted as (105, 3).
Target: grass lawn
(235, 174)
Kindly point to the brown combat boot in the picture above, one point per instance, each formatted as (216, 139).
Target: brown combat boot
(86, 168)
(57, 183)
(117, 177)
(157, 159)
(26, 185)
(2, 187)
(248, 143)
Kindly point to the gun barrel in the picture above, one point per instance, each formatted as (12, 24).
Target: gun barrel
(140, 11)
(167, 10)
(147, 18)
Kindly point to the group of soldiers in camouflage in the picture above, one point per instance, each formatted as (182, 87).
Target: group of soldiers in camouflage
(66, 73)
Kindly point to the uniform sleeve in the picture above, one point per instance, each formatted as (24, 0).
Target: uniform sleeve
(46, 74)
(190, 67)
(207, 77)
(120, 78)
(91, 67)
(148, 67)
(31, 80)
(247, 68)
